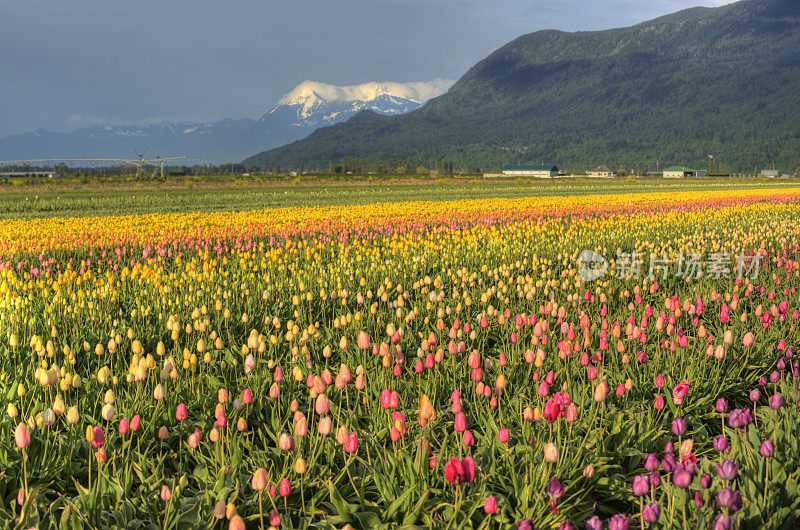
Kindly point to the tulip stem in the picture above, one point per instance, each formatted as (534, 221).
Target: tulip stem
(25, 472)
(683, 508)
(261, 509)
(166, 514)
(90, 470)
(641, 513)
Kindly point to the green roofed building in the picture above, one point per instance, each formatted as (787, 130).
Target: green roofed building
(679, 172)
(544, 171)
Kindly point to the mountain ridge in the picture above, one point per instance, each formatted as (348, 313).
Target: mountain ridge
(676, 88)
(295, 115)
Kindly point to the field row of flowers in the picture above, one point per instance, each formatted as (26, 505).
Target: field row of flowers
(430, 364)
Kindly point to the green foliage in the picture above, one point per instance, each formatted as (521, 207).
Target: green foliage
(213, 194)
(671, 90)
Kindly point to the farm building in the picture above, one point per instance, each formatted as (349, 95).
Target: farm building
(679, 172)
(42, 174)
(543, 171)
(601, 171)
(770, 173)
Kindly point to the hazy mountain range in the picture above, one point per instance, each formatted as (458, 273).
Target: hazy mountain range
(719, 81)
(307, 107)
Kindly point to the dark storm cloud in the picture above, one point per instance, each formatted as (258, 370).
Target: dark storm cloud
(68, 64)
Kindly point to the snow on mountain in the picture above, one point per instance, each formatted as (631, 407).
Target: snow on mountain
(312, 91)
(318, 104)
(308, 106)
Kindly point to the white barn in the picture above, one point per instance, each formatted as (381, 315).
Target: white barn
(679, 172)
(542, 171)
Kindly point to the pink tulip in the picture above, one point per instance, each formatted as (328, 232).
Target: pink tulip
(503, 436)
(321, 406)
(469, 439)
(285, 488)
(363, 340)
(22, 436)
(274, 519)
(99, 437)
(572, 413)
(680, 391)
(460, 422)
(352, 443)
(490, 507)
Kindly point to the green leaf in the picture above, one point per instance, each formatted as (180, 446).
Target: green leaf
(399, 502)
(368, 519)
(339, 503)
(411, 518)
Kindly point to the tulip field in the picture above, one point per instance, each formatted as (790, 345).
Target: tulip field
(596, 361)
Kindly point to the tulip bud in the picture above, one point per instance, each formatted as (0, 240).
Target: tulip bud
(259, 481)
(22, 436)
(490, 507)
(601, 391)
(551, 452)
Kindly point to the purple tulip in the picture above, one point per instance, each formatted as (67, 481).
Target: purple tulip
(767, 449)
(725, 497)
(722, 405)
(525, 524)
(698, 499)
(655, 479)
(775, 402)
(690, 467)
(729, 498)
(722, 522)
(728, 469)
(651, 463)
(650, 512)
(762, 381)
(755, 394)
(720, 443)
(668, 463)
(706, 480)
(774, 377)
(736, 505)
(594, 523)
(682, 478)
(781, 364)
(678, 426)
(555, 489)
(740, 418)
(640, 485)
(618, 522)
(669, 448)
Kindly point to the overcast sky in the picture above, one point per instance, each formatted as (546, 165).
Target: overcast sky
(68, 64)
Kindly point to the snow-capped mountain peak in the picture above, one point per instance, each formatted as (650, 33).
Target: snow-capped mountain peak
(315, 104)
(419, 92)
(308, 106)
